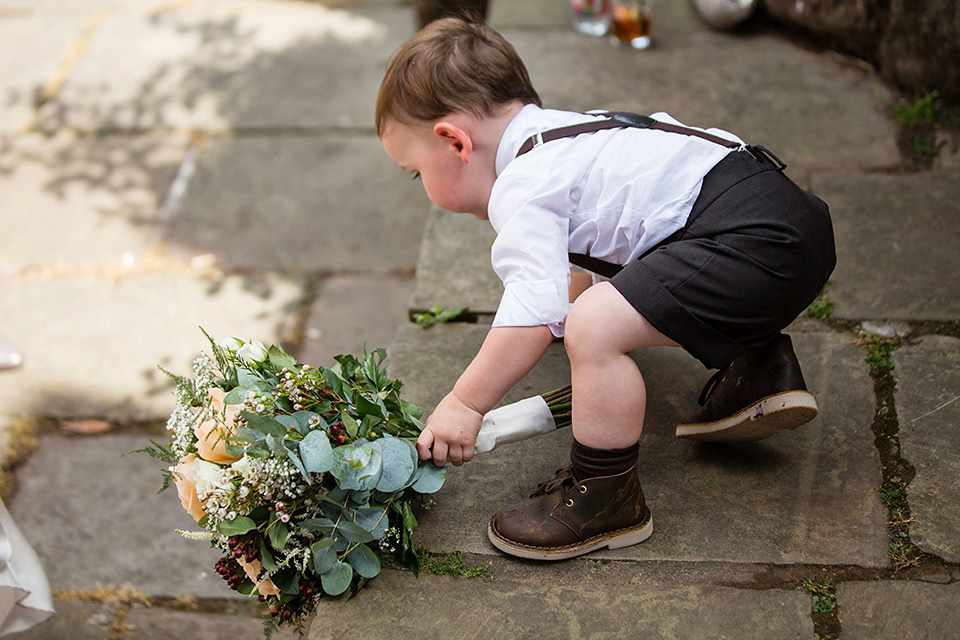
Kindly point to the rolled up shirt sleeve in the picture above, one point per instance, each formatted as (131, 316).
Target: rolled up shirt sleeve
(530, 254)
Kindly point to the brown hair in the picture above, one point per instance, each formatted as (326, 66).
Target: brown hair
(452, 65)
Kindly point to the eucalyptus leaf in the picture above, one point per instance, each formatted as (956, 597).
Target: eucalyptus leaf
(430, 478)
(324, 555)
(315, 452)
(298, 464)
(374, 520)
(353, 532)
(324, 525)
(237, 526)
(364, 561)
(356, 467)
(236, 396)
(337, 580)
(399, 463)
(263, 426)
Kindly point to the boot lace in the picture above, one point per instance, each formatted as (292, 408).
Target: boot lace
(711, 385)
(563, 479)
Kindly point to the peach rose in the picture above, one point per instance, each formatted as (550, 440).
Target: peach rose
(212, 435)
(184, 479)
(252, 569)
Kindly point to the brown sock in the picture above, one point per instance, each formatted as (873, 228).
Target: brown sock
(594, 463)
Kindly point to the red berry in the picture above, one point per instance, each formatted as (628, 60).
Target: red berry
(341, 437)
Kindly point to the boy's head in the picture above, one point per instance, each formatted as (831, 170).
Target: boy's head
(452, 66)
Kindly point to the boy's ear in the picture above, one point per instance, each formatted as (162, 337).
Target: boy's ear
(455, 138)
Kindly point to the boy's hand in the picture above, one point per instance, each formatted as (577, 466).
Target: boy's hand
(451, 433)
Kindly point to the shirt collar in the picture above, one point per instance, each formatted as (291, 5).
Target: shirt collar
(514, 135)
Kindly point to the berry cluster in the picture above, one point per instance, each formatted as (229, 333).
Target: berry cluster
(231, 571)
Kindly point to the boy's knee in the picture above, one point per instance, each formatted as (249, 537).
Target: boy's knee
(584, 329)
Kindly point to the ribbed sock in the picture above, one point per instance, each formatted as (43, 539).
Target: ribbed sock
(594, 463)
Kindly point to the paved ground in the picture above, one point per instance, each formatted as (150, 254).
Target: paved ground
(171, 164)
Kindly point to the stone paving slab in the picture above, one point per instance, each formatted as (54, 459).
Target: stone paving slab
(94, 518)
(287, 202)
(159, 624)
(454, 269)
(353, 311)
(811, 111)
(92, 342)
(216, 65)
(72, 200)
(928, 390)
(896, 610)
(898, 250)
(73, 620)
(32, 48)
(808, 496)
(441, 607)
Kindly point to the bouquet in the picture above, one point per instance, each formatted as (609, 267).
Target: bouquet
(302, 476)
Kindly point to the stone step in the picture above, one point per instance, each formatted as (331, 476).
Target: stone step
(807, 496)
(504, 609)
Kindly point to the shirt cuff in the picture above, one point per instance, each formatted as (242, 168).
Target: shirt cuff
(533, 304)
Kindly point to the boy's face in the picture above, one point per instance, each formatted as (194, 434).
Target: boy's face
(445, 176)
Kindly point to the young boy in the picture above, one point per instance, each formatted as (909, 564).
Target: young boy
(721, 252)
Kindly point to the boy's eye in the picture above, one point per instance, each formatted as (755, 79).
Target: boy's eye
(416, 175)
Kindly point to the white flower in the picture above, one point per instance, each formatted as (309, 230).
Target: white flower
(231, 344)
(254, 351)
(209, 477)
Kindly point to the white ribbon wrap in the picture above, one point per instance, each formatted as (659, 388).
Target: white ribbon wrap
(514, 422)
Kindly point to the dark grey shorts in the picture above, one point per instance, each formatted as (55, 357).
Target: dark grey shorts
(755, 252)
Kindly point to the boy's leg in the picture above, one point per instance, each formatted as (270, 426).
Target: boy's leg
(598, 501)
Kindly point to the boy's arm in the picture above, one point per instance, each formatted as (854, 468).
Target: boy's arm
(507, 354)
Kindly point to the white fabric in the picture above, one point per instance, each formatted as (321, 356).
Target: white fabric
(612, 195)
(514, 422)
(24, 591)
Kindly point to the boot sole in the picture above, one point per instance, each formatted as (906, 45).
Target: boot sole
(773, 414)
(612, 540)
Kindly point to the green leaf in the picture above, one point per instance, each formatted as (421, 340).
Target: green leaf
(263, 426)
(399, 463)
(324, 555)
(287, 580)
(281, 359)
(237, 526)
(349, 424)
(337, 580)
(356, 467)
(364, 561)
(236, 396)
(298, 464)
(353, 532)
(430, 479)
(374, 520)
(369, 406)
(324, 525)
(266, 558)
(316, 453)
(278, 534)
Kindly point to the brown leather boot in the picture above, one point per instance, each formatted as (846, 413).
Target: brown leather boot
(564, 518)
(759, 394)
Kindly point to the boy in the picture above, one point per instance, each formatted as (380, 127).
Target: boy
(721, 252)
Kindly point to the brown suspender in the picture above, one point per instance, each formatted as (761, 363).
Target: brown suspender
(616, 120)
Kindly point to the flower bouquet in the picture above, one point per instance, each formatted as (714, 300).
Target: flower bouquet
(303, 476)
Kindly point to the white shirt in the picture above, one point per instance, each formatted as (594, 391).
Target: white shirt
(611, 194)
